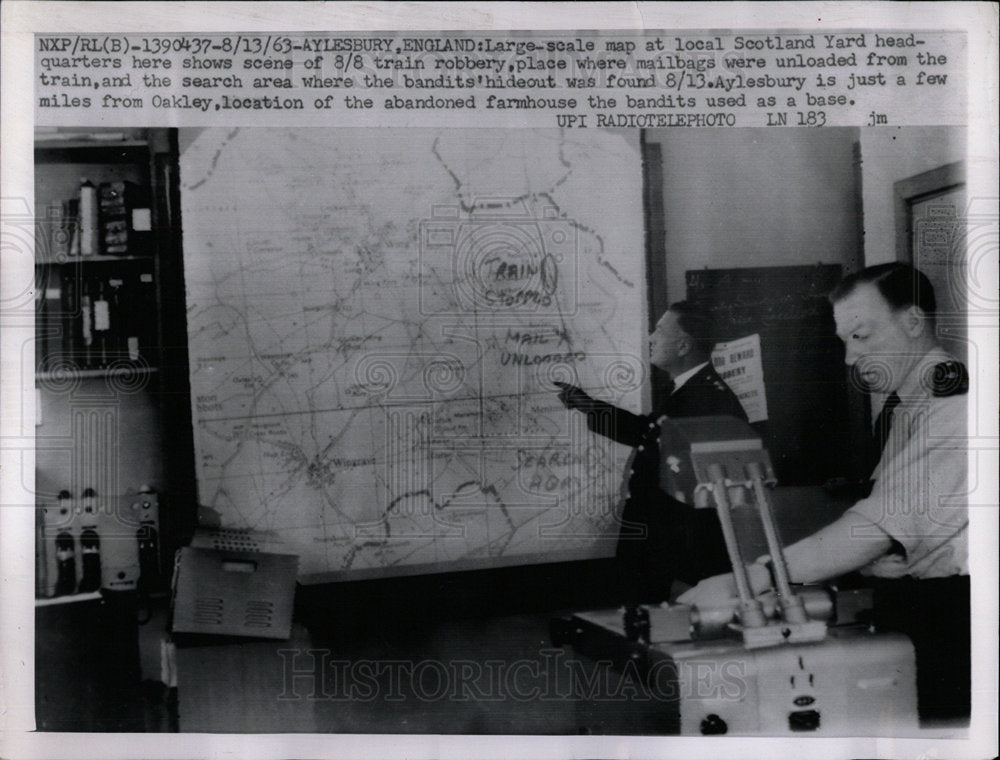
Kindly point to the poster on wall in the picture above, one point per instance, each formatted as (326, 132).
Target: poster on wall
(738, 363)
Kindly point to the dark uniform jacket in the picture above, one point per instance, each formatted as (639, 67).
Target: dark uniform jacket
(661, 538)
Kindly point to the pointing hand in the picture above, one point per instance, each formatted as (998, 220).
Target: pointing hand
(575, 398)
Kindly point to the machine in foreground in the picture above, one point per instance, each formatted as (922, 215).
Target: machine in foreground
(793, 661)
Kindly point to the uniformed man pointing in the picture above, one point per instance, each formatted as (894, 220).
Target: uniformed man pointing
(662, 539)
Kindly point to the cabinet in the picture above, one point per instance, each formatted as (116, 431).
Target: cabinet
(97, 279)
(110, 352)
(87, 672)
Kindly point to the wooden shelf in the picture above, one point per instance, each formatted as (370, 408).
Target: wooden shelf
(49, 601)
(91, 152)
(80, 144)
(91, 259)
(87, 597)
(84, 373)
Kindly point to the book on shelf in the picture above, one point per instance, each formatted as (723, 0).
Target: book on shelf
(61, 225)
(124, 217)
(100, 316)
(48, 322)
(112, 219)
(90, 220)
(69, 315)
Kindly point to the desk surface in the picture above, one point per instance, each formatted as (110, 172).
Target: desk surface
(241, 687)
(499, 675)
(494, 676)
(485, 676)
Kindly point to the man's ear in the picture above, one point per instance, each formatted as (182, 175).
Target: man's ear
(914, 321)
(684, 344)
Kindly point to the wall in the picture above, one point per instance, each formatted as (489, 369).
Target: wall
(757, 197)
(103, 433)
(772, 198)
(889, 155)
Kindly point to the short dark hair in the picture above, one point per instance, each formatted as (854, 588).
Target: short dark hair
(901, 285)
(696, 323)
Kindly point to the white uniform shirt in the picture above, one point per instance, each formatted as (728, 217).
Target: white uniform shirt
(920, 492)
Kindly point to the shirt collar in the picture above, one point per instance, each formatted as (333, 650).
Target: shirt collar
(919, 382)
(683, 377)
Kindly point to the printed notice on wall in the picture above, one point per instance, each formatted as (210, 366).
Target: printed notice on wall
(574, 80)
(738, 363)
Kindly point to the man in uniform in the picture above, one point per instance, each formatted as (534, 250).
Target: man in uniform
(661, 538)
(911, 532)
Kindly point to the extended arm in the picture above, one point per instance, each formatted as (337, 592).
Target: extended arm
(913, 502)
(603, 418)
(849, 543)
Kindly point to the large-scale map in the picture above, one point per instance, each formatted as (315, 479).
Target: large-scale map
(376, 319)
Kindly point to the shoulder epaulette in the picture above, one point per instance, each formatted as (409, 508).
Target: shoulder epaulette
(949, 379)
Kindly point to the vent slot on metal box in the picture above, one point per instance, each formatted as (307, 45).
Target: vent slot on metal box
(234, 593)
(208, 611)
(259, 614)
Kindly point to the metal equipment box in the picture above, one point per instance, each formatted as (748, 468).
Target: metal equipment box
(236, 593)
(852, 683)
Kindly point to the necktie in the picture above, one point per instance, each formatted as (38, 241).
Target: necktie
(883, 424)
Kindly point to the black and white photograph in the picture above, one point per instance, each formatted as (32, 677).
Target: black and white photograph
(662, 426)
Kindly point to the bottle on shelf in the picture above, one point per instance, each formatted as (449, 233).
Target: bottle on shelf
(50, 318)
(88, 529)
(102, 326)
(61, 237)
(90, 552)
(89, 220)
(86, 328)
(73, 214)
(65, 564)
(69, 313)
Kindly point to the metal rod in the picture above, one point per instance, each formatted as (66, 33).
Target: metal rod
(709, 622)
(752, 613)
(791, 606)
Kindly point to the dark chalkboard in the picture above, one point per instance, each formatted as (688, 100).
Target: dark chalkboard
(807, 431)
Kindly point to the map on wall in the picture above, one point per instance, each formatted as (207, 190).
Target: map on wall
(376, 319)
